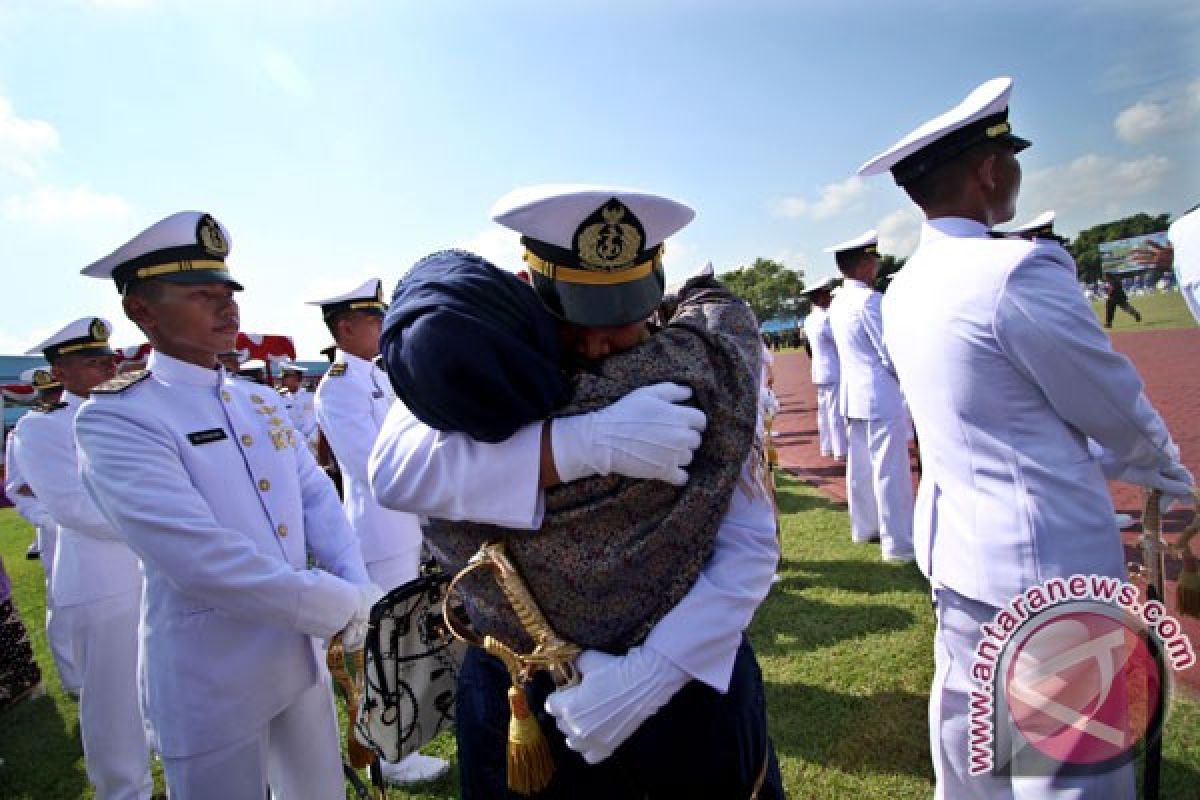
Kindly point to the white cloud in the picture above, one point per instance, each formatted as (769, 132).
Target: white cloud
(1098, 184)
(899, 232)
(23, 141)
(1148, 118)
(836, 198)
(498, 245)
(283, 70)
(47, 205)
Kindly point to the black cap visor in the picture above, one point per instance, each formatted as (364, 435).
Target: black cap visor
(602, 306)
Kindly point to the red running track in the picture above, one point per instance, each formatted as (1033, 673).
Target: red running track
(1169, 362)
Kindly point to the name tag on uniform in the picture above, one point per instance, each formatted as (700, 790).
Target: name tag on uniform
(205, 437)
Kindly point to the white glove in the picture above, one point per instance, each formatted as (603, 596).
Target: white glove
(645, 434)
(616, 695)
(354, 635)
(1174, 481)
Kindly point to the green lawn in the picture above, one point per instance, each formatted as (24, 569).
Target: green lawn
(1159, 312)
(845, 646)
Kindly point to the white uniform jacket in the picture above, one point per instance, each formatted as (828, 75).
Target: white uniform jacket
(352, 403)
(301, 407)
(1007, 373)
(91, 561)
(17, 490)
(1184, 235)
(826, 367)
(451, 476)
(869, 388)
(223, 503)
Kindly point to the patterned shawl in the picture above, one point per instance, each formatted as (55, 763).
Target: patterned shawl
(614, 554)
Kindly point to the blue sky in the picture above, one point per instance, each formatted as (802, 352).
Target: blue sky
(342, 140)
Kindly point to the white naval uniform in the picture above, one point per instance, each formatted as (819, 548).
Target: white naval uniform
(450, 476)
(351, 408)
(826, 376)
(222, 501)
(34, 512)
(97, 587)
(301, 407)
(877, 470)
(1184, 235)
(1006, 376)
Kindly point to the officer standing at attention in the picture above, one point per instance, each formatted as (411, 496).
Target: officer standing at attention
(97, 585)
(351, 404)
(224, 505)
(298, 400)
(1006, 375)
(49, 392)
(878, 478)
(826, 370)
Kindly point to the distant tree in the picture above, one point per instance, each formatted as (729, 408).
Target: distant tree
(769, 287)
(1086, 245)
(889, 265)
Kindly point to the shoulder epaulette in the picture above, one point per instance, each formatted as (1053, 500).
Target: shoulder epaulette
(46, 408)
(338, 369)
(121, 382)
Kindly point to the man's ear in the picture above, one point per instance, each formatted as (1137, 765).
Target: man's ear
(985, 171)
(57, 372)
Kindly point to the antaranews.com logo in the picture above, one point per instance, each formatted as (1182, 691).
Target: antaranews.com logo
(1071, 678)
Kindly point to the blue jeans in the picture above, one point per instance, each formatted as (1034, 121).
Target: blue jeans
(701, 744)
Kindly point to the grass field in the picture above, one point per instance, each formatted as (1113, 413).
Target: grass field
(844, 641)
(1159, 311)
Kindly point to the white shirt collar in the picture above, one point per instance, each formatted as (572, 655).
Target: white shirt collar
(855, 282)
(172, 370)
(72, 400)
(350, 358)
(954, 228)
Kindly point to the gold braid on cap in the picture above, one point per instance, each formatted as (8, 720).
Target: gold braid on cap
(186, 265)
(589, 277)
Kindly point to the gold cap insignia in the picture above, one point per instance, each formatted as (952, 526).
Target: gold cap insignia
(42, 379)
(610, 239)
(208, 234)
(98, 330)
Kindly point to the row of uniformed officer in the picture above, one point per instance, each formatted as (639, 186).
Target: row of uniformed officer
(96, 585)
(878, 478)
(826, 370)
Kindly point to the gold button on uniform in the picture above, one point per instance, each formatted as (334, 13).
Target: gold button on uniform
(264, 484)
(256, 398)
(282, 529)
(226, 396)
(247, 439)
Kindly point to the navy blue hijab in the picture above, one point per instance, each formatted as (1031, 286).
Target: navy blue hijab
(470, 348)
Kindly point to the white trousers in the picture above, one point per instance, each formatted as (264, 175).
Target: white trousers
(831, 426)
(58, 636)
(104, 638)
(296, 753)
(958, 634)
(879, 484)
